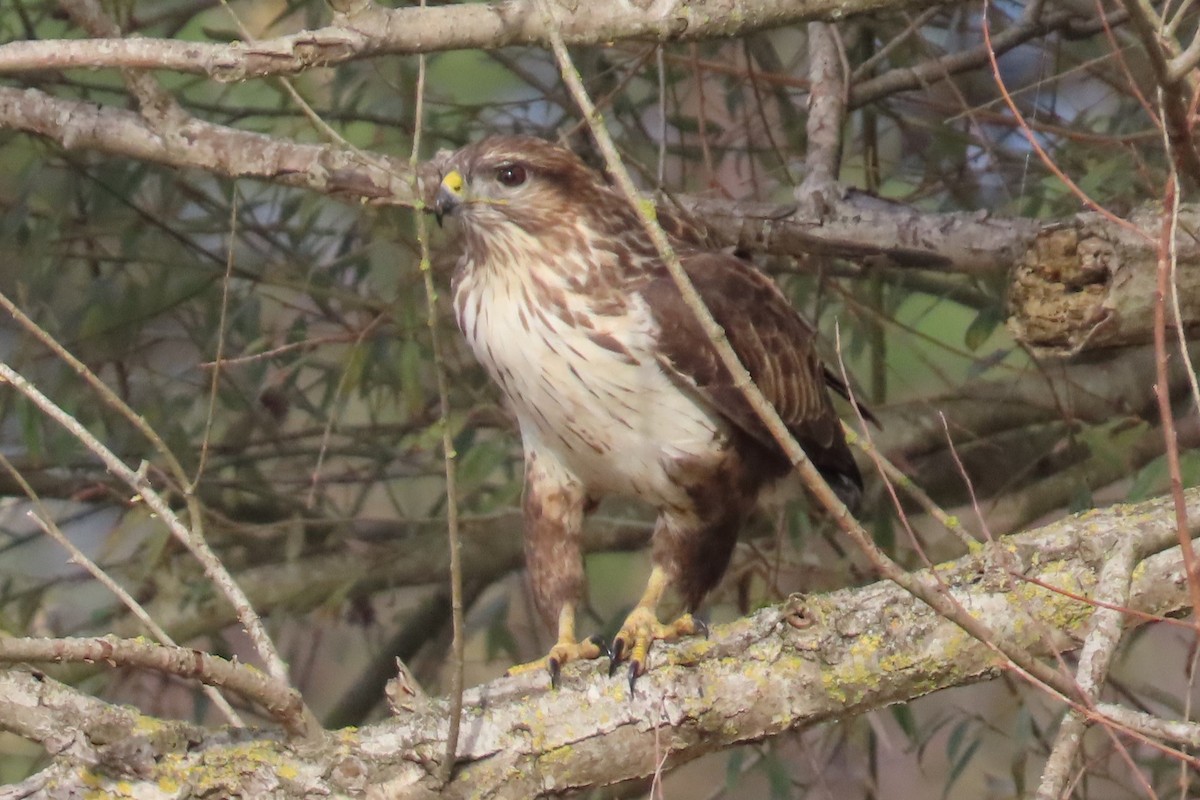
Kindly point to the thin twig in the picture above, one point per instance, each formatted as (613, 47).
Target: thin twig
(45, 520)
(1160, 52)
(219, 358)
(213, 568)
(892, 475)
(458, 646)
(1162, 391)
(283, 702)
(1033, 140)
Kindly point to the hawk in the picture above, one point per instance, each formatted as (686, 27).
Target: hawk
(615, 386)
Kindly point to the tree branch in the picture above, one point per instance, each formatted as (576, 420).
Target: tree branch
(785, 667)
(196, 144)
(361, 29)
(280, 700)
(855, 226)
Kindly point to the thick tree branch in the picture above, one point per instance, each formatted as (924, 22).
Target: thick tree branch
(865, 228)
(854, 226)
(826, 116)
(785, 667)
(196, 144)
(361, 29)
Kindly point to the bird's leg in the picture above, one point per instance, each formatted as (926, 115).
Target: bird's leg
(567, 648)
(642, 627)
(554, 505)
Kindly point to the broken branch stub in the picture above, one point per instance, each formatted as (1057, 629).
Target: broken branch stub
(1088, 283)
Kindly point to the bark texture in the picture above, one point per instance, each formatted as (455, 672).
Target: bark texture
(804, 661)
(1088, 283)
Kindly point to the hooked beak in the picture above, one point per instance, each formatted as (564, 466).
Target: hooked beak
(450, 195)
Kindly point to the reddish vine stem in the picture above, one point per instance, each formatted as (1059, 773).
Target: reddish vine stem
(1163, 394)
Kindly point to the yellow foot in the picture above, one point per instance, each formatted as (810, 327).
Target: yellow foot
(632, 642)
(561, 653)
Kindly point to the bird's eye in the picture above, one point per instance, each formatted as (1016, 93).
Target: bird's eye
(511, 175)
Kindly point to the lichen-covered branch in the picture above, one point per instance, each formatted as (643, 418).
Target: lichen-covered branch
(807, 660)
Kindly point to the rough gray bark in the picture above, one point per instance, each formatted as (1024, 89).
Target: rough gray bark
(1087, 283)
(361, 28)
(807, 660)
(874, 231)
(856, 226)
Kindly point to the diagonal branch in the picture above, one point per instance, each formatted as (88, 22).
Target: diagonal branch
(196, 144)
(283, 702)
(1112, 588)
(785, 667)
(1175, 87)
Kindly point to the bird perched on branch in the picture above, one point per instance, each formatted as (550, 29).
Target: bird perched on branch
(616, 387)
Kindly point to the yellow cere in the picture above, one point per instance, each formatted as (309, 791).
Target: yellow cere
(453, 181)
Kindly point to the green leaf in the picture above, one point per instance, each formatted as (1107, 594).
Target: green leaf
(733, 768)
(964, 741)
(983, 326)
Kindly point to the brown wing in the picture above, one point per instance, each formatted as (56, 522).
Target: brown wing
(774, 343)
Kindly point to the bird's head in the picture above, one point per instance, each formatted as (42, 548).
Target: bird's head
(516, 180)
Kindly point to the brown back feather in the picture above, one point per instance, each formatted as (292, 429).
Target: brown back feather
(774, 343)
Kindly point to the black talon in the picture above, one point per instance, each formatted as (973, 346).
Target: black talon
(614, 656)
(701, 626)
(555, 672)
(634, 670)
(598, 640)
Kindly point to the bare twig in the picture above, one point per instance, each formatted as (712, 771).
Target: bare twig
(1112, 588)
(454, 539)
(283, 702)
(1163, 392)
(137, 481)
(45, 520)
(931, 71)
(1033, 140)
(1176, 88)
(219, 358)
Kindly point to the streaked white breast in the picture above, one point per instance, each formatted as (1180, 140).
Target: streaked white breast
(613, 419)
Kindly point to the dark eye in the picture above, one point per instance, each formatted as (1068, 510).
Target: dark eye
(511, 175)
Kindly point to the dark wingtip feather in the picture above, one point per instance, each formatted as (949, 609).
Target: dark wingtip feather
(848, 488)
